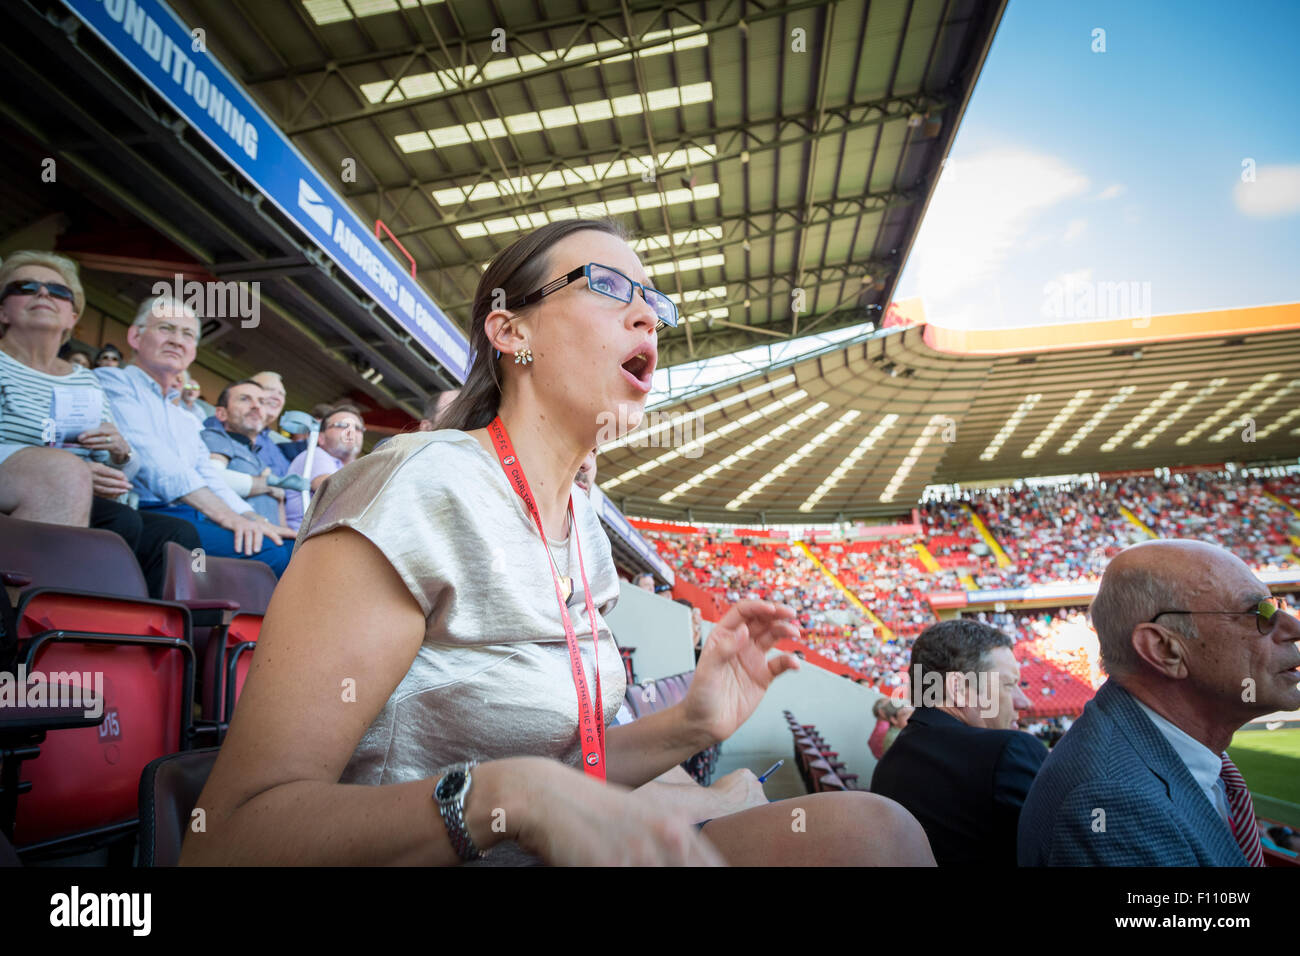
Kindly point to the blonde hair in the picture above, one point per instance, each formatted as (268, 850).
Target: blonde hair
(65, 267)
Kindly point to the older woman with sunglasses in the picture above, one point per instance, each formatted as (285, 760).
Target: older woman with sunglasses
(46, 475)
(433, 679)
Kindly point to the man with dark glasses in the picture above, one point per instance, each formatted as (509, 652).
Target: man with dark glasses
(1195, 646)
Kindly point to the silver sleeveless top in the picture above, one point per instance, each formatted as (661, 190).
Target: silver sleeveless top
(492, 677)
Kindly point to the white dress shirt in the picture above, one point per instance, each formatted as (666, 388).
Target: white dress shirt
(1204, 765)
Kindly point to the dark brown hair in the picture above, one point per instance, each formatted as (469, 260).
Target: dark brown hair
(520, 268)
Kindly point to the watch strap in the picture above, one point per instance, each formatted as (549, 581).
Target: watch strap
(452, 810)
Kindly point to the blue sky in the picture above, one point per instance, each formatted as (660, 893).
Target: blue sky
(1074, 166)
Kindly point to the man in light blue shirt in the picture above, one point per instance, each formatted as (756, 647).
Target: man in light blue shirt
(177, 475)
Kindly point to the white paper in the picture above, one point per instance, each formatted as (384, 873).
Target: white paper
(73, 411)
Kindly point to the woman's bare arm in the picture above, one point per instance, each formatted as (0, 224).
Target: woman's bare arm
(340, 634)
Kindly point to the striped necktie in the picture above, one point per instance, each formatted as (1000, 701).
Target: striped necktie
(1242, 812)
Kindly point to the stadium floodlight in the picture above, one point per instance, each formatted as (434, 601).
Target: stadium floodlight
(1086, 429)
(673, 97)
(804, 451)
(1024, 408)
(594, 210)
(1138, 420)
(1201, 394)
(589, 174)
(1256, 411)
(1057, 421)
(850, 460)
(762, 441)
(690, 449)
(927, 434)
(647, 435)
(1229, 407)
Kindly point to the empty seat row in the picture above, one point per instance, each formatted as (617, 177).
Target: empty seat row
(820, 767)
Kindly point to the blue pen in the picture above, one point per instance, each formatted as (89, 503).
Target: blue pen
(771, 770)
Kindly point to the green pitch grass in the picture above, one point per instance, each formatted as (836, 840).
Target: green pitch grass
(1270, 762)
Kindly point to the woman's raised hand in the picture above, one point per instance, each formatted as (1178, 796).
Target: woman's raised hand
(734, 671)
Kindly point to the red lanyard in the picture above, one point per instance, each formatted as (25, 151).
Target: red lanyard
(591, 723)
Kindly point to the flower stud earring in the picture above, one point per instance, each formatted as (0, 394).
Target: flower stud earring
(524, 356)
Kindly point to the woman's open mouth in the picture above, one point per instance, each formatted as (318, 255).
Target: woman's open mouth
(639, 368)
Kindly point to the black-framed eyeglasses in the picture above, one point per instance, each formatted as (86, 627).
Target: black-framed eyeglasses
(1266, 613)
(33, 286)
(606, 281)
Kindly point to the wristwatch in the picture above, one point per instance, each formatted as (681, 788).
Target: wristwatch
(450, 794)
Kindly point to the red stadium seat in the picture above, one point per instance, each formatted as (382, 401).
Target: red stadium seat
(230, 597)
(88, 612)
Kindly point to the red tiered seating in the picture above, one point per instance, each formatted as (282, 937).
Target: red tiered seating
(87, 611)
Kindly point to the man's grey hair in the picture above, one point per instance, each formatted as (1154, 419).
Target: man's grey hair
(1126, 598)
(156, 305)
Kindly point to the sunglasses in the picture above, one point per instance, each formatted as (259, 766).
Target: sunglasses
(609, 282)
(1266, 613)
(33, 286)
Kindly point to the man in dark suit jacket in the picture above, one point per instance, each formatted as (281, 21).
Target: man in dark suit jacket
(1195, 647)
(959, 766)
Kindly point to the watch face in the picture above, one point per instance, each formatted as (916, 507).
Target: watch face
(450, 784)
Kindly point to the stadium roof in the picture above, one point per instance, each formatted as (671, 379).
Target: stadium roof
(860, 429)
(793, 145)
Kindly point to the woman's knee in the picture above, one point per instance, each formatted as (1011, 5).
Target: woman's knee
(46, 480)
(871, 830)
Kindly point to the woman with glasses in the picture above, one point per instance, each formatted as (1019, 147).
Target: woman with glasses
(48, 471)
(426, 685)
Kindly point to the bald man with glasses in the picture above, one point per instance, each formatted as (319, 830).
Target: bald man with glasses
(1195, 646)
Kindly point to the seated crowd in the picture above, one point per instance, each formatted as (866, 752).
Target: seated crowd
(156, 464)
(130, 447)
(1142, 777)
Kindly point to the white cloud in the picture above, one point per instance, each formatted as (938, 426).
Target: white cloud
(1075, 229)
(978, 218)
(1274, 193)
(1113, 191)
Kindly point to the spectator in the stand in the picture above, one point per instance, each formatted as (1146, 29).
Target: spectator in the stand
(277, 450)
(341, 434)
(1195, 646)
(177, 475)
(234, 448)
(880, 710)
(434, 408)
(85, 481)
(74, 356)
(108, 357)
(190, 400)
(586, 476)
(899, 715)
(646, 582)
(958, 765)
